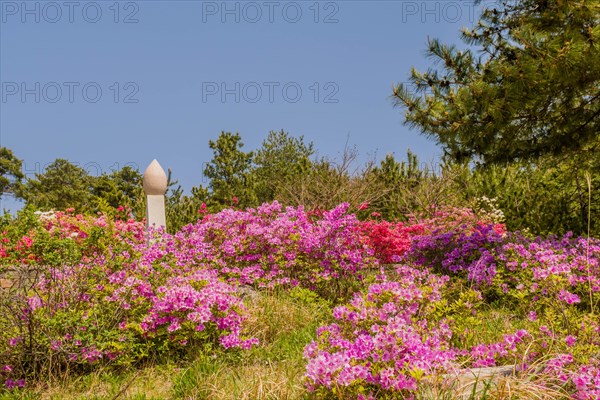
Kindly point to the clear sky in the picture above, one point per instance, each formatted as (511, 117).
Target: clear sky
(109, 83)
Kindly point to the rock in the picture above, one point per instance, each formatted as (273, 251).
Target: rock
(475, 380)
(246, 292)
(6, 283)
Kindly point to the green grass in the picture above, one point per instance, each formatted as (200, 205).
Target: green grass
(284, 322)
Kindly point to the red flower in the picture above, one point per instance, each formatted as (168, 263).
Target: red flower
(363, 206)
(500, 229)
(388, 240)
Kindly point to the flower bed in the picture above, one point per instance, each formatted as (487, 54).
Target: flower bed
(465, 294)
(422, 322)
(104, 296)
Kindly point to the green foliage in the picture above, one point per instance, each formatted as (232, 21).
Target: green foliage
(10, 170)
(229, 172)
(65, 185)
(546, 197)
(550, 195)
(413, 188)
(121, 188)
(62, 185)
(240, 179)
(280, 160)
(182, 209)
(532, 92)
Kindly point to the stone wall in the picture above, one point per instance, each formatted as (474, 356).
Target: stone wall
(18, 276)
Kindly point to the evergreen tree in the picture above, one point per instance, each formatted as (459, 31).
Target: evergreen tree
(120, 188)
(60, 186)
(10, 171)
(281, 158)
(529, 86)
(182, 209)
(397, 177)
(230, 173)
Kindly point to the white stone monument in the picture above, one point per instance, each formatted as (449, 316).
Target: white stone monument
(155, 187)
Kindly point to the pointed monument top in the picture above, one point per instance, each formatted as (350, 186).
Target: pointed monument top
(155, 179)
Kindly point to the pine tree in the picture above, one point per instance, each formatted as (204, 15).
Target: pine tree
(229, 172)
(528, 86)
(281, 159)
(10, 171)
(60, 186)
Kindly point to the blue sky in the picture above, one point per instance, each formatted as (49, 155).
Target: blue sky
(109, 83)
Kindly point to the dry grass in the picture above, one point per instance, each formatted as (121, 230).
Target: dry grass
(275, 315)
(500, 383)
(280, 380)
(274, 370)
(147, 383)
(285, 323)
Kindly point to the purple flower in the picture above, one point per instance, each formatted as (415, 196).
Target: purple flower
(567, 297)
(570, 340)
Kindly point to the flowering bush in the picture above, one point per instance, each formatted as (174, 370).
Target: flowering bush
(390, 339)
(532, 273)
(450, 219)
(56, 238)
(550, 272)
(99, 290)
(383, 342)
(404, 330)
(118, 312)
(104, 291)
(465, 251)
(270, 246)
(115, 300)
(388, 240)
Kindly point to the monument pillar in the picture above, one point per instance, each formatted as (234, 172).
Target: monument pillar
(155, 187)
